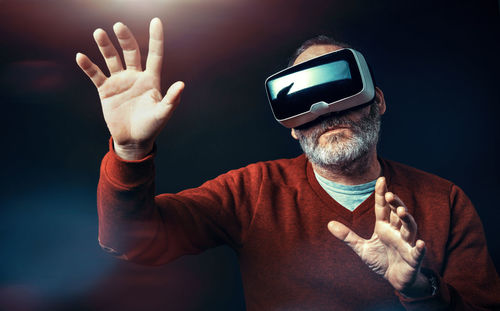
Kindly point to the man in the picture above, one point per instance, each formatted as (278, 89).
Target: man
(275, 214)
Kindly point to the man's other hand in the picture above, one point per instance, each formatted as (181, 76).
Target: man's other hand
(133, 106)
(392, 251)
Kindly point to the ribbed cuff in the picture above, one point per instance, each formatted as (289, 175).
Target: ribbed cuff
(439, 301)
(127, 173)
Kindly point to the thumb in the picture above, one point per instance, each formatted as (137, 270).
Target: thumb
(343, 233)
(168, 104)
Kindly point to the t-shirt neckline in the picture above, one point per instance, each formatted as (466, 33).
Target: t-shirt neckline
(330, 203)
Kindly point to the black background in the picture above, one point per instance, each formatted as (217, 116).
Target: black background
(437, 64)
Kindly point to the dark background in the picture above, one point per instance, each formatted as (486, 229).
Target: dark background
(437, 64)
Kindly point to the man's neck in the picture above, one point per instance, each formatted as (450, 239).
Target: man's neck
(360, 171)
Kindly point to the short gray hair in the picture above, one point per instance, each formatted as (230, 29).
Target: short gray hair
(324, 40)
(319, 40)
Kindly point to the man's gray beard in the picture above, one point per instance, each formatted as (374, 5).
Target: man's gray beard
(342, 151)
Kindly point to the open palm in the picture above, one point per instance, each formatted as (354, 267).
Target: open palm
(133, 106)
(392, 251)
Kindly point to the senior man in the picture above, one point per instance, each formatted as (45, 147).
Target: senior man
(281, 217)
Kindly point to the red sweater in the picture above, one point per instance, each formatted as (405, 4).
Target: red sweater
(274, 215)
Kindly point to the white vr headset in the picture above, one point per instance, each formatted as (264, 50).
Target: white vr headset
(332, 82)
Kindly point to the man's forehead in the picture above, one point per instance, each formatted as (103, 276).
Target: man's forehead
(315, 51)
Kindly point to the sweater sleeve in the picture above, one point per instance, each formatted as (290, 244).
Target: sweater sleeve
(137, 225)
(469, 280)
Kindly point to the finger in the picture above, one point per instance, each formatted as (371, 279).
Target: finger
(131, 51)
(394, 200)
(418, 252)
(408, 225)
(343, 233)
(393, 203)
(108, 51)
(91, 70)
(413, 255)
(394, 220)
(171, 100)
(155, 53)
(382, 211)
(389, 197)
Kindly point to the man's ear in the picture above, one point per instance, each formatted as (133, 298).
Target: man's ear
(294, 135)
(380, 100)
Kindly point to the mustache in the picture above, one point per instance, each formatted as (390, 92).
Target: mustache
(329, 121)
(341, 119)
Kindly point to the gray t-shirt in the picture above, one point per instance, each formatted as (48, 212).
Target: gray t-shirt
(349, 196)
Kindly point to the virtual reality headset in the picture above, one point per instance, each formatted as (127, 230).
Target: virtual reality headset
(332, 82)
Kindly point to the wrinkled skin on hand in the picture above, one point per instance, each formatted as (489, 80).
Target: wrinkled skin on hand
(392, 251)
(134, 108)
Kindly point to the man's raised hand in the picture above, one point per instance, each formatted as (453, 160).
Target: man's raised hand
(133, 106)
(392, 251)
